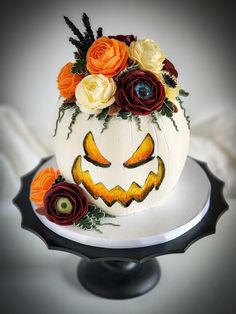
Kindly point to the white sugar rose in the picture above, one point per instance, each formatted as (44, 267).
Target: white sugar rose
(94, 93)
(148, 54)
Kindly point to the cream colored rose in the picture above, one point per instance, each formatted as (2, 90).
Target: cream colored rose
(148, 54)
(94, 93)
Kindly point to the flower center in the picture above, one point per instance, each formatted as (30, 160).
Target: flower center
(64, 205)
(143, 90)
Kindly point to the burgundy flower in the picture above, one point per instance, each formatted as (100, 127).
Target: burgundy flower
(139, 92)
(169, 67)
(126, 38)
(64, 203)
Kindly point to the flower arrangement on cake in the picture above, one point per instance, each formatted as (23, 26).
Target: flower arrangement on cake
(112, 78)
(117, 76)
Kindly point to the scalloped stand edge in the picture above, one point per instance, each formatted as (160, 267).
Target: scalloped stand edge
(120, 262)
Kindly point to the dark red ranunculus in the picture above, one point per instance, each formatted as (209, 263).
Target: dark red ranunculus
(64, 204)
(169, 67)
(126, 38)
(139, 92)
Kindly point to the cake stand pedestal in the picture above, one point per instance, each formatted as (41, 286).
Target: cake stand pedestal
(120, 273)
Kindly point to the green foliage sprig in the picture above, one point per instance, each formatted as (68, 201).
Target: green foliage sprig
(93, 219)
(61, 113)
(129, 115)
(155, 119)
(73, 119)
(105, 123)
(174, 123)
(80, 64)
(105, 117)
(132, 67)
(124, 115)
(168, 110)
(183, 93)
(182, 107)
(137, 120)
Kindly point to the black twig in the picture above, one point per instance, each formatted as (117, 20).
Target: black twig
(74, 29)
(99, 32)
(84, 40)
(77, 44)
(87, 26)
(87, 41)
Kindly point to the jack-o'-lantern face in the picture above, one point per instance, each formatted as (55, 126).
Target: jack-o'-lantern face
(142, 155)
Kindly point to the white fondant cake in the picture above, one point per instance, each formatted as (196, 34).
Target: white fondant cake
(121, 132)
(117, 144)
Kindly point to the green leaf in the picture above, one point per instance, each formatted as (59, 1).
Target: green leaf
(93, 219)
(79, 66)
(174, 123)
(97, 213)
(169, 105)
(102, 115)
(167, 109)
(73, 119)
(185, 114)
(124, 114)
(105, 124)
(180, 101)
(138, 121)
(183, 93)
(155, 119)
(127, 69)
(86, 223)
(90, 116)
(61, 113)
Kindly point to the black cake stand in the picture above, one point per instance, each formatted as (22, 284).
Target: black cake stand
(120, 273)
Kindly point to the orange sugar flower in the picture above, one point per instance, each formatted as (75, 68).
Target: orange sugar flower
(41, 183)
(67, 81)
(107, 56)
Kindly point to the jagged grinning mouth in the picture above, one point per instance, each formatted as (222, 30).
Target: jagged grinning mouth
(118, 194)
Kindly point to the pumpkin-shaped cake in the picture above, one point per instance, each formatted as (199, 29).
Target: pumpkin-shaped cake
(121, 132)
(122, 170)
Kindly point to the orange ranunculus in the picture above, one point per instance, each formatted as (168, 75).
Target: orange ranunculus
(107, 56)
(67, 81)
(41, 183)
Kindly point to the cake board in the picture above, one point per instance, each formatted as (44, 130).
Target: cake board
(120, 273)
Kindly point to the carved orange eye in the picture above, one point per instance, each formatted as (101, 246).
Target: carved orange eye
(143, 154)
(92, 153)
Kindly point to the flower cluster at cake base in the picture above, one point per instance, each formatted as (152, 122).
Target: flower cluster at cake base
(65, 203)
(117, 76)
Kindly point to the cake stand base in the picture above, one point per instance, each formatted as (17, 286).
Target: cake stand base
(121, 273)
(119, 279)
